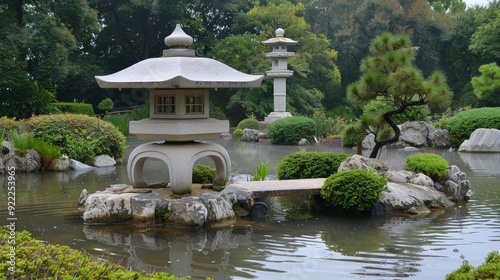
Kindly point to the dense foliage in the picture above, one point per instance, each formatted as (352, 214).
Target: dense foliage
(461, 125)
(431, 165)
(37, 260)
(75, 108)
(303, 165)
(80, 137)
(203, 174)
(356, 190)
(490, 269)
(289, 131)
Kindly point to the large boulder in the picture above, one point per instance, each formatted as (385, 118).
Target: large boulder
(23, 161)
(104, 161)
(250, 135)
(482, 140)
(414, 133)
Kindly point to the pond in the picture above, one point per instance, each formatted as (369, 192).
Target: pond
(319, 247)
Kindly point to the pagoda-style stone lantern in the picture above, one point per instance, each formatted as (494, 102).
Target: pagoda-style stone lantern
(279, 73)
(179, 116)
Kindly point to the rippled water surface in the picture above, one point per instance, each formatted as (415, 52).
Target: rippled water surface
(320, 247)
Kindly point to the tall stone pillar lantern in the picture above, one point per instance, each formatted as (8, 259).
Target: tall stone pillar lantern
(279, 72)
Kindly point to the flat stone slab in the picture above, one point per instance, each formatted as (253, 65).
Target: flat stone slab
(259, 189)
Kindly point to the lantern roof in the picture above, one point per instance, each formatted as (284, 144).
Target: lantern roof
(179, 68)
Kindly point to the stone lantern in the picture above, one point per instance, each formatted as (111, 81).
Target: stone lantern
(179, 111)
(279, 73)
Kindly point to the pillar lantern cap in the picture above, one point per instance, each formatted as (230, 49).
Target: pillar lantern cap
(280, 39)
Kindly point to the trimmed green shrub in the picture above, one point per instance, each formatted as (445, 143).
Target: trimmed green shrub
(203, 174)
(36, 260)
(357, 189)
(490, 269)
(251, 123)
(289, 131)
(106, 104)
(462, 125)
(75, 108)
(238, 133)
(304, 165)
(431, 165)
(80, 137)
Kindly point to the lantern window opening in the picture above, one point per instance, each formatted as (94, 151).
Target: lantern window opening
(165, 105)
(195, 104)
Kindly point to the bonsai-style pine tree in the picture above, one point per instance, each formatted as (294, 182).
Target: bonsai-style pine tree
(389, 84)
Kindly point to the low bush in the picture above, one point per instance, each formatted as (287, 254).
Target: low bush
(80, 137)
(431, 165)
(8, 125)
(354, 190)
(75, 108)
(304, 165)
(490, 269)
(251, 123)
(105, 105)
(289, 131)
(36, 260)
(238, 133)
(462, 125)
(203, 174)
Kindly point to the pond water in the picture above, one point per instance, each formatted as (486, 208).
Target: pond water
(319, 247)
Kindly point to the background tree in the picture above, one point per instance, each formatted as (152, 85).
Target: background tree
(486, 40)
(390, 76)
(40, 40)
(487, 86)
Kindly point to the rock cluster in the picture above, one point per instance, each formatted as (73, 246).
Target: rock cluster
(122, 203)
(415, 193)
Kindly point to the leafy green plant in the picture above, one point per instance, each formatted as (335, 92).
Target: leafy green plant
(47, 151)
(261, 172)
(462, 125)
(37, 260)
(80, 137)
(357, 189)
(203, 174)
(22, 141)
(238, 133)
(490, 269)
(431, 165)
(140, 112)
(303, 165)
(289, 131)
(75, 108)
(121, 122)
(327, 126)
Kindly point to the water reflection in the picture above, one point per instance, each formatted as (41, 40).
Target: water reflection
(288, 246)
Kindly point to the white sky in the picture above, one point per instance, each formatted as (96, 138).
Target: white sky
(471, 3)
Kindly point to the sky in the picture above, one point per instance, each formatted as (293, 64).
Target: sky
(471, 3)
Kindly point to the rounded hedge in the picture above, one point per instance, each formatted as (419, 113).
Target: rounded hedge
(355, 189)
(80, 137)
(304, 165)
(431, 165)
(251, 123)
(462, 125)
(289, 131)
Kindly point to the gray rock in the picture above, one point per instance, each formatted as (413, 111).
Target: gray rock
(361, 162)
(413, 199)
(399, 176)
(27, 161)
(369, 142)
(414, 133)
(219, 206)
(251, 135)
(59, 164)
(482, 140)
(108, 208)
(144, 206)
(78, 166)
(456, 184)
(104, 161)
(422, 180)
(188, 211)
(439, 138)
(304, 142)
